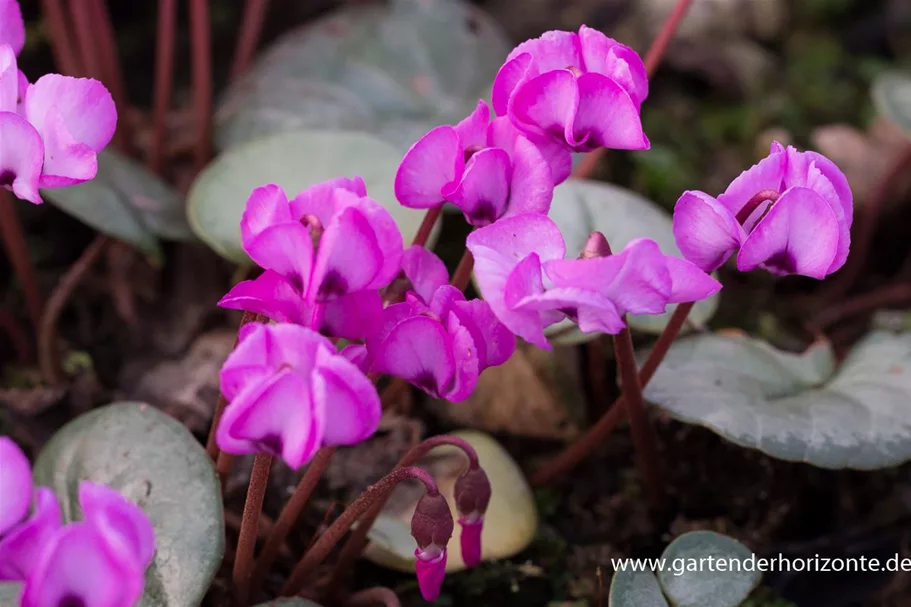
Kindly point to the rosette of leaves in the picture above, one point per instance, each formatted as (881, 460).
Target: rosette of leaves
(395, 69)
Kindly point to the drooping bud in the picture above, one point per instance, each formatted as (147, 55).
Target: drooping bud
(472, 495)
(595, 246)
(431, 527)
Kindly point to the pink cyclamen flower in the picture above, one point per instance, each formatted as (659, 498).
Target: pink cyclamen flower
(488, 170)
(436, 339)
(12, 27)
(15, 485)
(431, 527)
(332, 285)
(790, 213)
(521, 271)
(290, 393)
(472, 495)
(21, 547)
(582, 90)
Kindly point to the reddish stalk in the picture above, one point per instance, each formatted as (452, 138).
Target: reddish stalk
(112, 75)
(290, 514)
(652, 60)
(753, 203)
(81, 14)
(48, 360)
(17, 252)
(201, 51)
(886, 296)
(430, 219)
(585, 444)
(66, 55)
(358, 539)
(251, 26)
(249, 526)
(211, 446)
(462, 273)
(321, 548)
(643, 434)
(16, 336)
(164, 81)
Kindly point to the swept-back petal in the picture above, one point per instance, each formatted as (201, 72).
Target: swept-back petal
(472, 130)
(552, 50)
(494, 342)
(12, 27)
(419, 350)
(425, 270)
(643, 285)
(532, 187)
(689, 282)
(513, 73)
(266, 206)
(348, 400)
(349, 257)
(15, 484)
(546, 106)
(435, 160)
(270, 295)
(285, 248)
(620, 63)
(86, 108)
(123, 525)
(66, 160)
(516, 237)
(21, 156)
(352, 316)
(799, 235)
(9, 76)
(707, 233)
(483, 191)
(21, 547)
(467, 368)
(504, 134)
(607, 117)
(767, 174)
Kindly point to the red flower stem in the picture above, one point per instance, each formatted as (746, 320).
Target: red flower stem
(358, 538)
(290, 514)
(426, 227)
(462, 273)
(48, 360)
(164, 81)
(321, 548)
(652, 60)
(585, 444)
(754, 202)
(249, 527)
(211, 446)
(201, 51)
(111, 73)
(16, 336)
(643, 434)
(890, 295)
(17, 252)
(250, 29)
(66, 55)
(81, 16)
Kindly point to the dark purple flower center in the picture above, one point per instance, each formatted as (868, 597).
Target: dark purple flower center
(426, 382)
(783, 262)
(272, 444)
(71, 600)
(333, 285)
(7, 177)
(472, 150)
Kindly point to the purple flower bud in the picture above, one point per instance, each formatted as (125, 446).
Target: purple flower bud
(790, 213)
(472, 495)
(596, 246)
(15, 485)
(431, 527)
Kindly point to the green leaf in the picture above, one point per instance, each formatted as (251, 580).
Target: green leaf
(892, 97)
(127, 202)
(581, 207)
(155, 462)
(396, 69)
(635, 589)
(295, 161)
(689, 580)
(9, 594)
(795, 407)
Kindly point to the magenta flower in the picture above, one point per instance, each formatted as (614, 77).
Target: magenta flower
(488, 170)
(582, 90)
(472, 495)
(332, 285)
(20, 549)
(436, 339)
(431, 527)
(15, 485)
(290, 393)
(790, 214)
(12, 27)
(21, 147)
(521, 271)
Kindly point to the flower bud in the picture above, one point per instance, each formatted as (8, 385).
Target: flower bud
(431, 527)
(595, 246)
(472, 495)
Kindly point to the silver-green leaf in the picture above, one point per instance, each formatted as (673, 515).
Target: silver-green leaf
(635, 589)
(795, 407)
(126, 201)
(689, 580)
(156, 463)
(295, 161)
(892, 97)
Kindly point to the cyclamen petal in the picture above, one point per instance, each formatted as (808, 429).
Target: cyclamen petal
(21, 547)
(603, 55)
(484, 189)
(270, 295)
(468, 367)
(425, 270)
(354, 408)
(21, 157)
(706, 232)
(15, 485)
(470, 541)
(599, 96)
(124, 526)
(419, 350)
(9, 79)
(433, 162)
(503, 134)
(12, 27)
(430, 574)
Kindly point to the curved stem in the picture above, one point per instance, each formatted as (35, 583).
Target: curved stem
(321, 548)
(164, 81)
(81, 18)
(48, 361)
(378, 595)
(886, 296)
(753, 203)
(251, 26)
(290, 514)
(109, 64)
(66, 55)
(249, 526)
(430, 219)
(358, 539)
(201, 51)
(462, 273)
(585, 444)
(16, 336)
(14, 244)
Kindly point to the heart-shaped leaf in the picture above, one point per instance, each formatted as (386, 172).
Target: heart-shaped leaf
(635, 589)
(689, 581)
(295, 161)
(892, 97)
(795, 407)
(155, 462)
(510, 522)
(396, 69)
(581, 207)
(126, 201)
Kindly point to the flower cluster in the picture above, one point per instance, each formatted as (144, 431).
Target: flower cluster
(100, 560)
(50, 130)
